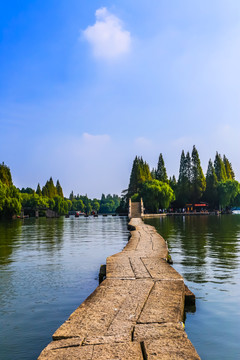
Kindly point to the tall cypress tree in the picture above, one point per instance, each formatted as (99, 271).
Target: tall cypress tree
(228, 167)
(211, 193)
(132, 187)
(153, 173)
(183, 194)
(39, 191)
(139, 174)
(49, 189)
(198, 181)
(188, 170)
(173, 183)
(59, 189)
(161, 172)
(220, 168)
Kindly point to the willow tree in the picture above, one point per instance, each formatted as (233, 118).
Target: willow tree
(156, 194)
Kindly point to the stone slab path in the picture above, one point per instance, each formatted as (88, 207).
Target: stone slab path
(136, 313)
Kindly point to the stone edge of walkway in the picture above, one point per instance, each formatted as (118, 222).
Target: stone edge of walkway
(136, 313)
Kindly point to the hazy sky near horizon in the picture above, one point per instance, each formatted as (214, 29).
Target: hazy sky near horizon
(85, 86)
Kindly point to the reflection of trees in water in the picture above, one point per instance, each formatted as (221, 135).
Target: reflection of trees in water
(47, 234)
(41, 234)
(206, 244)
(10, 232)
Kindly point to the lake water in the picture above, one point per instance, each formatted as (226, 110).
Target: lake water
(206, 251)
(47, 269)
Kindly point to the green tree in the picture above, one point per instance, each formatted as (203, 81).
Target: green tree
(59, 189)
(139, 174)
(198, 181)
(161, 172)
(228, 167)
(211, 192)
(39, 191)
(5, 175)
(173, 183)
(60, 206)
(153, 173)
(95, 205)
(71, 196)
(49, 189)
(227, 191)
(220, 168)
(10, 203)
(156, 194)
(183, 185)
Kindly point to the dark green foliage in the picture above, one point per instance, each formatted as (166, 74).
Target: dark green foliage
(228, 167)
(95, 205)
(153, 173)
(135, 198)
(27, 190)
(140, 173)
(184, 181)
(39, 191)
(5, 175)
(49, 189)
(10, 203)
(198, 181)
(59, 189)
(71, 196)
(161, 172)
(211, 192)
(77, 205)
(123, 206)
(156, 194)
(109, 204)
(220, 168)
(173, 183)
(9, 195)
(60, 206)
(227, 192)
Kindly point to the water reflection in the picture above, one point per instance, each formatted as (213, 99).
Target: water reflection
(205, 243)
(206, 251)
(47, 268)
(10, 233)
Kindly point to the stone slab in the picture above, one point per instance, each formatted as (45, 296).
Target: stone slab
(165, 341)
(92, 352)
(165, 303)
(159, 269)
(118, 266)
(66, 349)
(114, 311)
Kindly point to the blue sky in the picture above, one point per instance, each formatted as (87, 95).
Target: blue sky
(87, 85)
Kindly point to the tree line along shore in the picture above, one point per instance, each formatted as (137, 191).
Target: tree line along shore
(50, 196)
(218, 189)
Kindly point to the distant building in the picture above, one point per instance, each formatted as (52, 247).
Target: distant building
(201, 206)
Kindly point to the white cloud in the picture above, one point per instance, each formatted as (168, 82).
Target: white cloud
(96, 139)
(107, 37)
